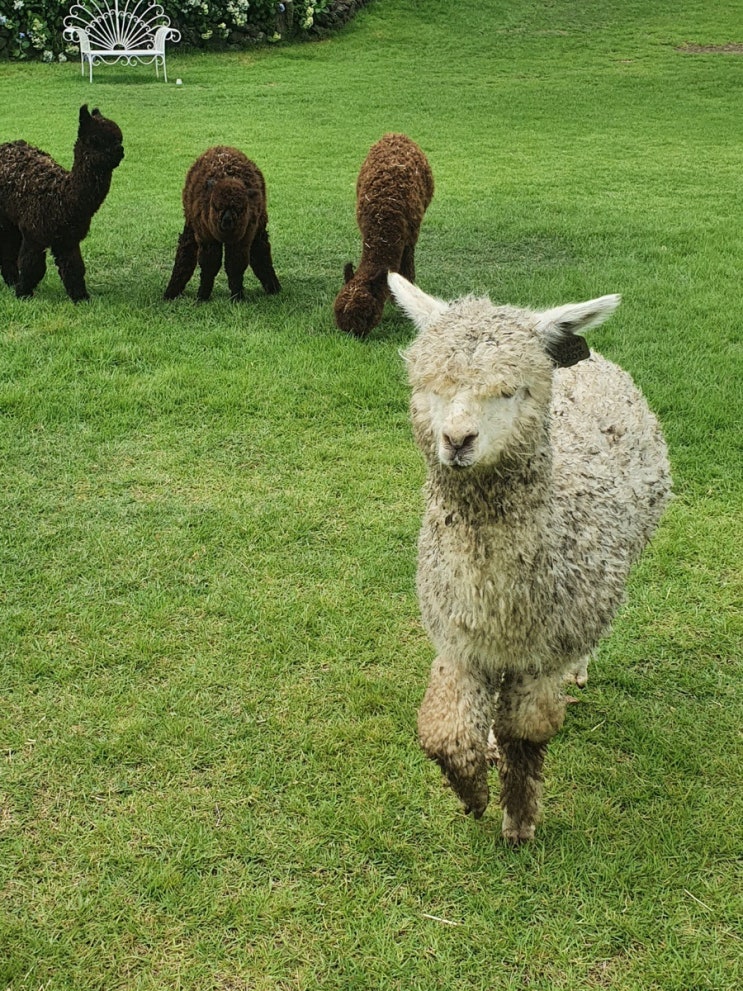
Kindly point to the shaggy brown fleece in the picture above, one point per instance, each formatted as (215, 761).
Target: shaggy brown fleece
(44, 206)
(224, 203)
(394, 188)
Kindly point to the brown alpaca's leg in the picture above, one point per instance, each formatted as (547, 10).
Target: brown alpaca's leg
(71, 270)
(262, 263)
(407, 263)
(210, 261)
(453, 724)
(31, 268)
(10, 244)
(184, 265)
(236, 258)
(529, 711)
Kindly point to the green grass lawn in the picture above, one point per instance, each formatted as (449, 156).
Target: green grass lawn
(210, 648)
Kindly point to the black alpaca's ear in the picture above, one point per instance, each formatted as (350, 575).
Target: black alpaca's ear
(95, 112)
(348, 272)
(84, 115)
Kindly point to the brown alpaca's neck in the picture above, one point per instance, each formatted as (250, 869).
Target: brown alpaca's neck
(378, 254)
(372, 277)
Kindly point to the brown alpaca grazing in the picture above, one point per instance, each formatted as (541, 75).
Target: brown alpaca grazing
(224, 202)
(44, 206)
(394, 188)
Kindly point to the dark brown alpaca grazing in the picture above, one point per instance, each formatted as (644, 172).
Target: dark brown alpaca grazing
(224, 203)
(44, 206)
(394, 188)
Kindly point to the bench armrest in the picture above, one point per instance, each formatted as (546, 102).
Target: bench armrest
(163, 34)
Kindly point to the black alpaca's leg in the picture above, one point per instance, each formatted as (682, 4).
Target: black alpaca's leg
(31, 268)
(71, 268)
(262, 263)
(10, 244)
(210, 261)
(236, 258)
(185, 263)
(407, 263)
(529, 711)
(453, 724)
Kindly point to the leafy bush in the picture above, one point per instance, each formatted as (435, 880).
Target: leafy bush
(33, 28)
(237, 22)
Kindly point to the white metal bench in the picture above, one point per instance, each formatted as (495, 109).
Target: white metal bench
(130, 31)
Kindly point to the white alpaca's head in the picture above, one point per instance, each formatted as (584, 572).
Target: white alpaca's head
(481, 375)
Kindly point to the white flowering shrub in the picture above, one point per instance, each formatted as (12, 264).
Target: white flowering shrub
(29, 28)
(33, 28)
(215, 23)
(201, 21)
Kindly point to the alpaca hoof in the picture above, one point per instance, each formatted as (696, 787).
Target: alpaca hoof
(578, 674)
(515, 833)
(271, 288)
(474, 795)
(237, 297)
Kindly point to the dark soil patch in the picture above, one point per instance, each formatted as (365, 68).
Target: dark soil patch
(733, 48)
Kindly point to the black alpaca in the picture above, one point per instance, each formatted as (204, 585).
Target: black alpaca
(44, 206)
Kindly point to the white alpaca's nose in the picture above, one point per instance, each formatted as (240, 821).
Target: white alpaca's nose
(458, 445)
(459, 440)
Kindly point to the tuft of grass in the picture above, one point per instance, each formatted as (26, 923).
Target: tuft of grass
(210, 646)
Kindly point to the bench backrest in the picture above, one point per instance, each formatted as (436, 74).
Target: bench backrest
(127, 25)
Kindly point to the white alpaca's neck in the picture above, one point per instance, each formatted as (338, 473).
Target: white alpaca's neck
(514, 492)
(496, 524)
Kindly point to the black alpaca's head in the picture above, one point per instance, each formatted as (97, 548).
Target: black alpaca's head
(100, 138)
(229, 209)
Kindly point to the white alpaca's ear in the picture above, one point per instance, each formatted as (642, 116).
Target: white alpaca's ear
(558, 327)
(420, 307)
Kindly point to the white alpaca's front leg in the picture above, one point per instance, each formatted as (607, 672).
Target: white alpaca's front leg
(529, 711)
(453, 724)
(577, 673)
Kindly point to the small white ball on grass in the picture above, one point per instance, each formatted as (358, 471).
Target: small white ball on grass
(179, 82)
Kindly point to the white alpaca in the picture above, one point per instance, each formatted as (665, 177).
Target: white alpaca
(547, 475)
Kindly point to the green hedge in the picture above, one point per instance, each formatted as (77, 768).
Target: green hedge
(32, 29)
